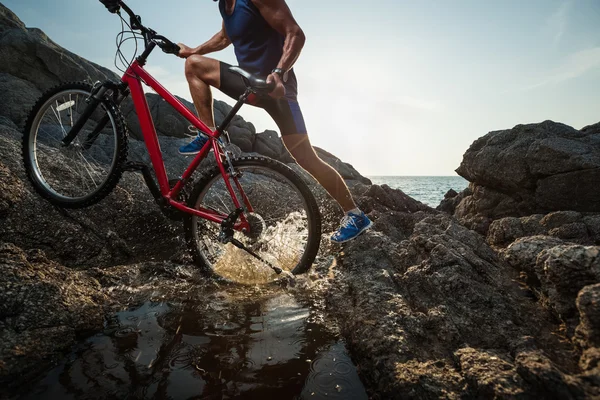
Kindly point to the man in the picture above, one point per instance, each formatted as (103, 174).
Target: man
(267, 42)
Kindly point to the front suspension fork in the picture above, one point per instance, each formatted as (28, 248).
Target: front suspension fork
(98, 92)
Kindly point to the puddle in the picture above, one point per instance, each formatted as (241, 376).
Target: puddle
(227, 347)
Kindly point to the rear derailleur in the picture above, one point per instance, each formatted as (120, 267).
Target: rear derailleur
(226, 236)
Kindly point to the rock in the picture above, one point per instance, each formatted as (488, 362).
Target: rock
(438, 315)
(564, 271)
(18, 96)
(346, 170)
(384, 198)
(31, 63)
(43, 306)
(522, 253)
(490, 375)
(588, 304)
(7, 122)
(535, 168)
(505, 230)
(269, 144)
(116, 230)
(574, 190)
(558, 219)
(566, 225)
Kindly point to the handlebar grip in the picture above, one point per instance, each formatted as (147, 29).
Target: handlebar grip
(172, 48)
(271, 86)
(166, 45)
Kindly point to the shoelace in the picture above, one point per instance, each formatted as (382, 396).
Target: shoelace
(347, 221)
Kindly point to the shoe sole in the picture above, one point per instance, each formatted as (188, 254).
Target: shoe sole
(192, 154)
(363, 230)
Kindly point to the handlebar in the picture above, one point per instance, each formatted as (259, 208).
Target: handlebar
(150, 35)
(153, 39)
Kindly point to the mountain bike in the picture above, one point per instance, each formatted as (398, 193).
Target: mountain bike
(246, 219)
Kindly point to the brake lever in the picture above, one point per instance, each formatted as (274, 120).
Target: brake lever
(136, 23)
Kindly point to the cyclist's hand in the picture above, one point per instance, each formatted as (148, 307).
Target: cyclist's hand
(279, 90)
(185, 51)
(112, 5)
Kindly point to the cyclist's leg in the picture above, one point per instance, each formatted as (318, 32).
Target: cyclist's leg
(202, 73)
(287, 115)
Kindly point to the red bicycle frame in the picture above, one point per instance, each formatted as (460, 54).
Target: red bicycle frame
(133, 77)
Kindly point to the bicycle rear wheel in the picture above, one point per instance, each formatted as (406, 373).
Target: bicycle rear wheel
(285, 225)
(87, 170)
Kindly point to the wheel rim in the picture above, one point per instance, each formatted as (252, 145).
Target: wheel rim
(71, 173)
(280, 213)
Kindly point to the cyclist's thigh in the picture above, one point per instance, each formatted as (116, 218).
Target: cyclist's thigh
(231, 84)
(287, 115)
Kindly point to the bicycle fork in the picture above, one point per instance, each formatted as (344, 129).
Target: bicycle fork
(98, 92)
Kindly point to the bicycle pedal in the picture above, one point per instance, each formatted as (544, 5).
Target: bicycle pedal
(131, 166)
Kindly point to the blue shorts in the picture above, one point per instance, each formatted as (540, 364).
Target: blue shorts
(285, 111)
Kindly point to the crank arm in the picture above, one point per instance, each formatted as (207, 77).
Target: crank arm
(240, 245)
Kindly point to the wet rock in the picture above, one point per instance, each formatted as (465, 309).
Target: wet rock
(43, 306)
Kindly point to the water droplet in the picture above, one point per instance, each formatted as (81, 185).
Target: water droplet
(269, 358)
(338, 387)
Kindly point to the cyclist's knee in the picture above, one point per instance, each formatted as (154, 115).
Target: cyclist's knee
(195, 67)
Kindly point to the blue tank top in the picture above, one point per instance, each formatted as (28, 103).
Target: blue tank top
(258, 47)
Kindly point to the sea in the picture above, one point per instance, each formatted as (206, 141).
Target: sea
(429, 190)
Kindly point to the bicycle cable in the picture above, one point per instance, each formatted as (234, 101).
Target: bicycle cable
(120, 40)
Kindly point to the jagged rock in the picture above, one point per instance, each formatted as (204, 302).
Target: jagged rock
(566, 225)
(384, 198)
(588, 304)
(522, 253)
(407, 308)
(535, 168)
(32, 63)
(18, 96)
(108, 233)
(346, 170)
(490, 375)
(43, 306)
(564, 271)
(452, 199)
(269, 144)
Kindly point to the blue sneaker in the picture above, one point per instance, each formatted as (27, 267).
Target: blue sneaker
(194, 146)
(352, 226)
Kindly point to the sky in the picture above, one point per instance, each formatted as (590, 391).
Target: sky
(392, 87)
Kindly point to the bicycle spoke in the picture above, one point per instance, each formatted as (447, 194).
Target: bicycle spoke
(71, 171)
(281, 241)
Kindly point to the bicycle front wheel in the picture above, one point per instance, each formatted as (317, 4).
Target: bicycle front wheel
(285, 225)
(88, 169)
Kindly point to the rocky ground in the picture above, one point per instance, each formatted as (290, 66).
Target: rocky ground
(496, 294)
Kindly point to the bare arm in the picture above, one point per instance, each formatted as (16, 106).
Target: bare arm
(218, 42)
(278, 15)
